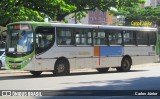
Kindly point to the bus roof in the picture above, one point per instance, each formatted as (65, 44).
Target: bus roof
(85, 26)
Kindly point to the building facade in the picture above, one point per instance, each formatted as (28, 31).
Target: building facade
(71, 19)
(152, 3)
(104, 18)
(96, 16)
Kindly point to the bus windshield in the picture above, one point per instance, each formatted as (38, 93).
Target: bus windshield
(19, 41)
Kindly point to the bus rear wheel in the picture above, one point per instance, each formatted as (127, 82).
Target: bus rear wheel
(125, 65)
(103, 70)
(36, 73)
(61, 68)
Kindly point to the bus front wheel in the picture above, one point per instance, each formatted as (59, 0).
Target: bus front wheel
(36, 73)
(125, 65)
(61, 68)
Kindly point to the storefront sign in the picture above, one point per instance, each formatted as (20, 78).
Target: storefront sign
(141, 23)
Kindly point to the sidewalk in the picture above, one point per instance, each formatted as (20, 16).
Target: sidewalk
(4, 71)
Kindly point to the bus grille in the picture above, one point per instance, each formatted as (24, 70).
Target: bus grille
(15, 62)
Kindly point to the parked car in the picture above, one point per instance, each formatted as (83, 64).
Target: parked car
(2, 58)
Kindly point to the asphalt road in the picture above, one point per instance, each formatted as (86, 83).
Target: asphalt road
(141, 77)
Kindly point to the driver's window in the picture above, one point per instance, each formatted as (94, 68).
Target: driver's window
(44, 38)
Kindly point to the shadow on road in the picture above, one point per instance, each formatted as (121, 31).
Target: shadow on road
(91, 73)
(113, 89)
(92, 91)
(43, 75)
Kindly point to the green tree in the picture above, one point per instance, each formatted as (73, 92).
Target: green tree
(58, 9)
(140, 14)
(144, 14)
(16, 10)
(11, 11)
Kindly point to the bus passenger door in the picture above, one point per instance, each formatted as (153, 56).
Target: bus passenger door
(45, 37)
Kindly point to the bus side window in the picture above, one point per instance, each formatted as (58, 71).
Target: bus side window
(115, 37)
(152, 38)
(142, 38)
(77, 38)
(63, 42)
(83, 37)
(129, 38)
(65, 36)
(45, 38)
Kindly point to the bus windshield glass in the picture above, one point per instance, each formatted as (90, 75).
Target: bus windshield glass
(19, 41)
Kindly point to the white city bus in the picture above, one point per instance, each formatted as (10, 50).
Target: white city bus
(59, 47)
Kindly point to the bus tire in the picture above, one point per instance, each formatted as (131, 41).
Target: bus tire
(61, 68)
(102, 70)
(36, 73)
(125, 65)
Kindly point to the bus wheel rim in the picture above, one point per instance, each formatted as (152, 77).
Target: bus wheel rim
(61, 68)
(126, 64)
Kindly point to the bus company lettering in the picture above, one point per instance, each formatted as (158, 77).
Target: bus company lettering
(141, 23)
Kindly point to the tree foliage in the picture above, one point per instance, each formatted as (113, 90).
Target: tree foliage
(36, 10)
(10, 12)
(145, 14)
(138, 14)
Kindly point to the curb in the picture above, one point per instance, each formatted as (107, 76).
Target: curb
(5, 71)
(11, 72)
